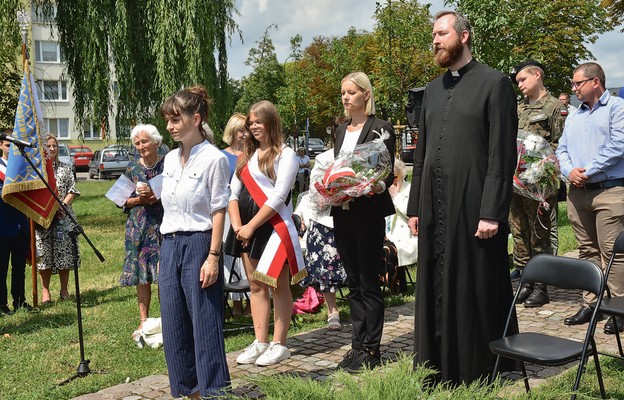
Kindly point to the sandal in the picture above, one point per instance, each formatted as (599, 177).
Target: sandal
(333, 322)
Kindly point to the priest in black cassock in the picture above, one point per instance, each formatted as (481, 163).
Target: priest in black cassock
(458, 205)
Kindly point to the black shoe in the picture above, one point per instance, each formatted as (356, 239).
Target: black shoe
(5, 310)
(364, 359)
(538, 298)
(582, 316)
(525, 292)
(609, 327)
(515, 274)
(24, 306)
(348, 358)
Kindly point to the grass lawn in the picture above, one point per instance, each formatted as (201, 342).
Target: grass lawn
(39, 350)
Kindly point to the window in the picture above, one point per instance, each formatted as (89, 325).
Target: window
(58, 127)
(89, 131)
(48, 52)
(53, 90)
(44, 14)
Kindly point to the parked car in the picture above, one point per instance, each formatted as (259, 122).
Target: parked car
(109, 163)
(82, 156)
(315, 145)
(66, 157)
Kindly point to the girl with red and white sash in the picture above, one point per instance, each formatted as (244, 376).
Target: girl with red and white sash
(263, 233)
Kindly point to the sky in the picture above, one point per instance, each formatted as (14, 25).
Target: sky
(329, 18)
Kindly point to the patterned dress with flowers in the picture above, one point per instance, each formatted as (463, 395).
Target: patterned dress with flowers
(143, 236)
(54, 245)
(322, 260)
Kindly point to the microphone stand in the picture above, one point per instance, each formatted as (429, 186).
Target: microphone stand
(75, 230)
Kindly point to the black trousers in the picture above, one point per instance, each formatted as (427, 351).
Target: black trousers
(360, 245)
(15, 248)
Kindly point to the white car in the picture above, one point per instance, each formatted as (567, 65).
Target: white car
(66, 157)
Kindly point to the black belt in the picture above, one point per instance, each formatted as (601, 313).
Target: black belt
(604, 184)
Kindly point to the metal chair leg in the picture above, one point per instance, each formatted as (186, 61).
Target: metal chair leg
(599, 373)
(525, 377)
(495, 372)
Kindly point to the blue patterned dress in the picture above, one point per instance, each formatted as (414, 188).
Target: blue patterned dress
(143, 236)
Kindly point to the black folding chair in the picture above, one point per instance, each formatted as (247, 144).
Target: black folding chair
(235, 285)
(542, 349)
(613, 306)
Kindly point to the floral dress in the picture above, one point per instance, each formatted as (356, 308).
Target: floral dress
(323, 263)
(54, 245)
(143, 236)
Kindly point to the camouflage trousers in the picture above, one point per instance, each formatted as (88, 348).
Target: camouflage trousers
(530, 227)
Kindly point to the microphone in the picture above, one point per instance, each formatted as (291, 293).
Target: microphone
(15, 141)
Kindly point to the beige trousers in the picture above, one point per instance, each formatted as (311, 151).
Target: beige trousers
(597, 217)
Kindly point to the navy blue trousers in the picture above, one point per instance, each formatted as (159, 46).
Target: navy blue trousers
(192, 317)
(16, 248)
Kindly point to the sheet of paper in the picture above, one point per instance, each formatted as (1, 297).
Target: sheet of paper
(121, 191)
(156, 185)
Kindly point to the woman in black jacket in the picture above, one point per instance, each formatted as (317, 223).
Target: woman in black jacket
(359, 226)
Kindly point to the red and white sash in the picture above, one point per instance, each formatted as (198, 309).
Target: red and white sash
(283, 245)
(2, 170)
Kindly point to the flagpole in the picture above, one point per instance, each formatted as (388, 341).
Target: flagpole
(23, 18)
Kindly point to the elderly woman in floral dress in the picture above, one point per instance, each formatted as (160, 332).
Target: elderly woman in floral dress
(54, 246)
(145, 213)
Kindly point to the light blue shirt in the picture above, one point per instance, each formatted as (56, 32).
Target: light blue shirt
(594, 139)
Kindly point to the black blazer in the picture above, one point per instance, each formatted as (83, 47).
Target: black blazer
(377, 205)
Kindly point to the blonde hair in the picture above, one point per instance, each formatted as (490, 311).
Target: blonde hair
(361, 80)
(235, 123)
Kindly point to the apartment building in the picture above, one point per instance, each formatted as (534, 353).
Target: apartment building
(55, 90)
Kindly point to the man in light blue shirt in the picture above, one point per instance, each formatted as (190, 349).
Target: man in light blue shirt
(591, 155)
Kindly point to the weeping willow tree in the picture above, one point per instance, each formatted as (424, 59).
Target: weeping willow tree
(124, 57)
(133, 54)
(10, 71)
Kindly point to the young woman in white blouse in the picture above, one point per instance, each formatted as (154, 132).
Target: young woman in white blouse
(194, 198)
(263, 233)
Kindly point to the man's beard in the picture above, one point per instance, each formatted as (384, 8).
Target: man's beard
(450, 55)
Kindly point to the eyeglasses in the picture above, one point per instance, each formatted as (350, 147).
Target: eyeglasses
(578, 85)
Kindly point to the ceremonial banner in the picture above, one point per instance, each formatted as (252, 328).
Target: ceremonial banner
(23, 189)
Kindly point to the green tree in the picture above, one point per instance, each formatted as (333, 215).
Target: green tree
(404, 59)
(10, 71)
(615, 8)
(266, 77)
(291, 97)
(125, 57)
(554, 32)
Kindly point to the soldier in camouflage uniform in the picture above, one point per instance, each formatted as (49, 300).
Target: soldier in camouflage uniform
(543, 114)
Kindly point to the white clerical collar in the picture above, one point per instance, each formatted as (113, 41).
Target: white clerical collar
(455, 73)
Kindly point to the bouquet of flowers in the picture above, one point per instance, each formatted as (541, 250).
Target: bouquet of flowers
(353, 175)
(537, 171)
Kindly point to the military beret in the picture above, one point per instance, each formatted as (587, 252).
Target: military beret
(530, 63)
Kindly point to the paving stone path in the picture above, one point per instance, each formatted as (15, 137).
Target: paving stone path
(316, 353)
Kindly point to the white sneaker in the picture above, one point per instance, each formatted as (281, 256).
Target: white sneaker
(274, 354)
(252, 352)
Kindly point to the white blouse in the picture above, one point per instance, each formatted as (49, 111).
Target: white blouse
(350, 140)
(191, 194)
(286, 167)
